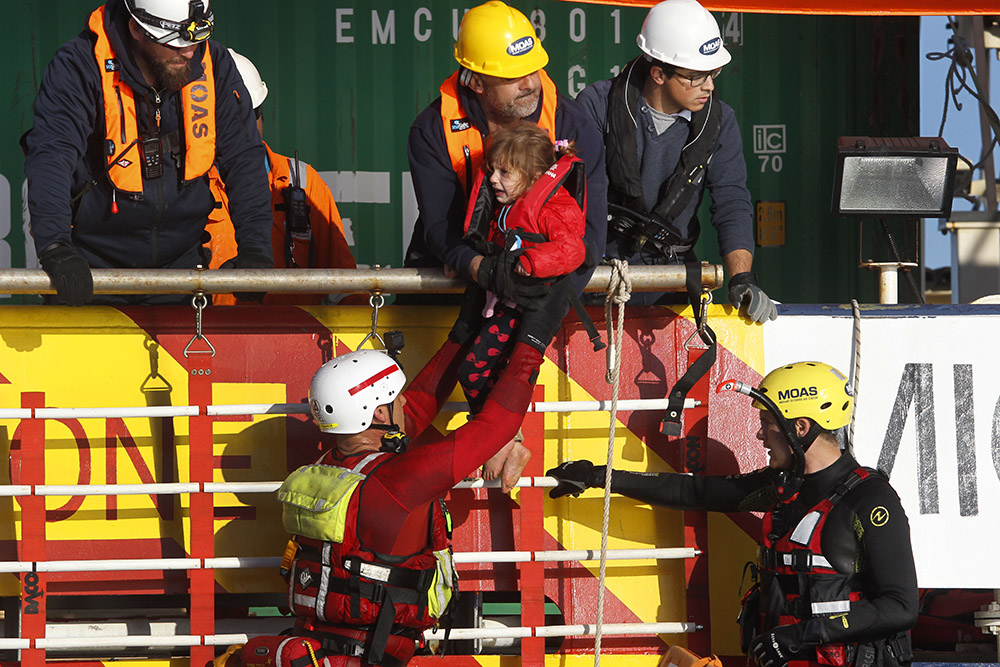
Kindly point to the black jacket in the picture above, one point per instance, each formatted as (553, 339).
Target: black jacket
(70, 195)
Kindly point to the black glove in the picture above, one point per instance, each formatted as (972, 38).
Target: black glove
(69, 273)
(470, 315)
(574, 477)
(775, 647)
(539, 326)
(251, 258)
(496, 274)
(743, 289)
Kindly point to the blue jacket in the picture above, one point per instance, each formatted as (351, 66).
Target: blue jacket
(70, 195)
(437, 236)
(731, 209)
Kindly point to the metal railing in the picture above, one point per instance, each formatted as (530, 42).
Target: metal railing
(667, 278)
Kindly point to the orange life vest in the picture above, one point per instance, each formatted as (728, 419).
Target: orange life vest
(124, 162)
(465, 142)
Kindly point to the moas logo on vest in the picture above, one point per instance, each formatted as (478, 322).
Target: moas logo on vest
(521, 46)
(710, 47)
(460, 124)
(797, 393)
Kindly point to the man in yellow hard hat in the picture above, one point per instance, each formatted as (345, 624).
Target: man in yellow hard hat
(837, 583)
(500, 81)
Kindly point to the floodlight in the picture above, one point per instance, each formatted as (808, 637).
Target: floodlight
(904, 176)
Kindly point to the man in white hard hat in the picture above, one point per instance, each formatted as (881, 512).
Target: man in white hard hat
(130, 116)
(369, 566)
(668, 137)
(307, 230)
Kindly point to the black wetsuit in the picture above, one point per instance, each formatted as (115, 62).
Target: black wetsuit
(879, 552)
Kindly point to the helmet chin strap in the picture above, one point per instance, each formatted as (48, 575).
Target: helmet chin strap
(789, 481)
(394, 440)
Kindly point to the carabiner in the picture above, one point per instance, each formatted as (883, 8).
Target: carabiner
(376, 301)
(701, 318)
(198, 302)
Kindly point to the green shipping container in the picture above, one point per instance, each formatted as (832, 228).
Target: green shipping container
(346, 80)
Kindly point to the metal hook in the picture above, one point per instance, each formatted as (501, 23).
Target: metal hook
(701, 317)
(198, 302)
(376, 301)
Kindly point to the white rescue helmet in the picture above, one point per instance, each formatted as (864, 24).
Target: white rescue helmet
(251, 79)
(346, 390)
(176, 23)
(682, 33)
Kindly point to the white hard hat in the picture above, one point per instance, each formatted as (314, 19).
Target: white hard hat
(174, 23)
(251, 79)
(684, 34)
(346, 390)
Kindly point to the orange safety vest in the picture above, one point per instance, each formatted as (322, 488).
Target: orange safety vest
(327, 248)
(124, 164)
(465, 142)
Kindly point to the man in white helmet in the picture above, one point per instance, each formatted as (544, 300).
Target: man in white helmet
(307, 232)
(130, 116)
(369, 566)
(835, 583)
(668, 136)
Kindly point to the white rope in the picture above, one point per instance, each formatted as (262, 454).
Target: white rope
(619, 292)
(856, 370)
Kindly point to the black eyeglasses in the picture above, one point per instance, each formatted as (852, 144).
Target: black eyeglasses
(700, 78)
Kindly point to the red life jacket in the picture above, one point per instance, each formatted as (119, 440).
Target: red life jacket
(521, 219)
(798, 552)
(345, 584)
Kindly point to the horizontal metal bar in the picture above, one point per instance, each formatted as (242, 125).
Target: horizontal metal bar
(575, 556)
(645, 278)
(168, 411)
(564, 631)
(178, 488)
(252, 562)
(114, 635)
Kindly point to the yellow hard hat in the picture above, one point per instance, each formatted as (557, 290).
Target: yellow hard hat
(498, 40)
(810, 389)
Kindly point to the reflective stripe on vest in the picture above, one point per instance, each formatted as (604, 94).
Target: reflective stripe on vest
(465, 141)
(799, 551)
(198, 106)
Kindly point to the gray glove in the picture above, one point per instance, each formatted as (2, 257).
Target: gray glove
(743, 290)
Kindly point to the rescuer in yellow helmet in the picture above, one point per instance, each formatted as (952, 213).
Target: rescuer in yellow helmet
(500, 81)
(837, 583)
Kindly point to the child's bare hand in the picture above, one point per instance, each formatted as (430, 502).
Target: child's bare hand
(520, 270)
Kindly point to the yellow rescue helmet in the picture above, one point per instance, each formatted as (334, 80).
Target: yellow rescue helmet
(498, 40)
(810, 389)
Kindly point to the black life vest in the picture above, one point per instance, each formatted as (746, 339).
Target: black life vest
(624, 178)
(798, 583)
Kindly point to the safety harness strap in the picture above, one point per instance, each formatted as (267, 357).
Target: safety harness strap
(671, 423)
